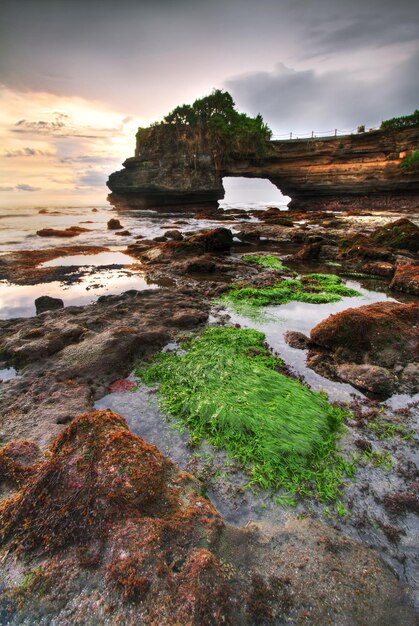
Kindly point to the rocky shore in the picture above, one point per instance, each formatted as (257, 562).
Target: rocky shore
(97, 526)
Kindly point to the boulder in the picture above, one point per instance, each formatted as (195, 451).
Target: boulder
(373, 378)
(369, 347)
(114, 224)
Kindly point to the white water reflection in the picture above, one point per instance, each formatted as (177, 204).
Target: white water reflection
(303, 317)
(7, 374)
(90, 260)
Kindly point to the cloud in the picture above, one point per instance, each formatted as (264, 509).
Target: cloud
(20, 187)
(24, 187)
(307, 100)
(93, 179)
(27, 152)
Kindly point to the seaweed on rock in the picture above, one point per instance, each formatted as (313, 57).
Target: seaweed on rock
(227, 389)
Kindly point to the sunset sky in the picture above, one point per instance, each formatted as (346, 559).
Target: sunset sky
(77, 77)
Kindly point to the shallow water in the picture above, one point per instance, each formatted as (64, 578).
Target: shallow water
(18, 300)
(90, 260)
(303, 317)
(7, 374)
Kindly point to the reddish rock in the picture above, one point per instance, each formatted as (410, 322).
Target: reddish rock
(108, 508)
(217, 240)
(384, 333)
(73, 231)
(296, 340)
(18, 461)
(406, 278)
(122, 385)
(308, 252)
(172, 251)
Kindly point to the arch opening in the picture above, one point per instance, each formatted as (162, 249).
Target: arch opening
(252, 194)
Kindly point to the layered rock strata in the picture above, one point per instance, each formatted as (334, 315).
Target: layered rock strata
(361, 170)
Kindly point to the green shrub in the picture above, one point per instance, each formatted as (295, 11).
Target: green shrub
(411, 162)
(398, 123)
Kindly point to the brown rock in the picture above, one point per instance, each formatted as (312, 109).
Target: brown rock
(114, 224)
(384, 333)
(379, 268)
(73, 231)
(373, 378)
(406, 278)
(296, 340)
(217, 240)
(401, 235)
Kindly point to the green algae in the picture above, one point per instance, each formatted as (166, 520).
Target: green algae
(226, 389)
(312, 289)
(269, 260)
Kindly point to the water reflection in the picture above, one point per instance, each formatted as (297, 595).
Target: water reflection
(303, 317)
(91, 260)
(18, 300)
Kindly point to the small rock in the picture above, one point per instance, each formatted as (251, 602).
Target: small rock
(46, 303)
(114, 224)
(123, 233)
(296, 340)
(373, 378)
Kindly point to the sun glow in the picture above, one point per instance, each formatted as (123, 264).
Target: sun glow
(56, 149)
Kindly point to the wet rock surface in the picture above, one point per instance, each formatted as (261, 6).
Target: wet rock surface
(154, 550)
(140, 543)
(370, 346)
(67, 358)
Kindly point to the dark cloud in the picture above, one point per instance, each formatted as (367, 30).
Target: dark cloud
(145, 58)
(27, 152)
(305, 101)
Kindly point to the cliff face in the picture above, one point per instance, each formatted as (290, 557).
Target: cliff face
(355, 170)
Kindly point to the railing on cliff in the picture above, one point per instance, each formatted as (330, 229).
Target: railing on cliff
(328, 134)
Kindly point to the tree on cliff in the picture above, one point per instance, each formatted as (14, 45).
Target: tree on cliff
(211, 124)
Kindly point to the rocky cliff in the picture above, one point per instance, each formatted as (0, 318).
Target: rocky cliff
(361, 170)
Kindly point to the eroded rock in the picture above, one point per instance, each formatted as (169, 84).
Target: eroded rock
(107, 510)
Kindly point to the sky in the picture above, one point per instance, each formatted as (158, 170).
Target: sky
(77, 77)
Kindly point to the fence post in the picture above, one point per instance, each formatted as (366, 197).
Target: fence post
(290, 135)
(312, 134)
(336, 132)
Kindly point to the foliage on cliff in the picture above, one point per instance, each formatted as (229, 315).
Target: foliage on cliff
(411, 162)
(398, 123)
(210, 125)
